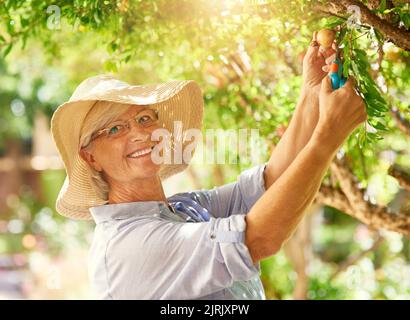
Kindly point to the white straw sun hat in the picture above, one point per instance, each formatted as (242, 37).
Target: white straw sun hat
(175, 101)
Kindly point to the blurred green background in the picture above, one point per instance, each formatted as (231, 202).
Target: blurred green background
(247, 57)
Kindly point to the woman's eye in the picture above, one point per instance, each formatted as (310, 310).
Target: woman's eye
(114, 130)
(144, 119)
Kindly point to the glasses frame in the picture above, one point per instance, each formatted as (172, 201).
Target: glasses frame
(100, 132)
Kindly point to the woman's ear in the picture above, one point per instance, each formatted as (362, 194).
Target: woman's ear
(88, 157)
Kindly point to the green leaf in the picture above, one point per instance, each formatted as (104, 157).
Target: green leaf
(378, 35)
(405, 18)
(382, 6)
(361, 54)
(377, 124)
(97, 18)
(24, 22)
(112, 47)
(388, 10)
(7, 50)
(374, 136)
(110, 66)
(333, 22)
(24, 41)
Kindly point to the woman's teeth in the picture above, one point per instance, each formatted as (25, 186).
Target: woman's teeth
(140, 153)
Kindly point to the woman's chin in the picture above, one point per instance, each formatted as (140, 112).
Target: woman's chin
(145, 163)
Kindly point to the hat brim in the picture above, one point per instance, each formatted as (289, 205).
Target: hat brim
(176, 101)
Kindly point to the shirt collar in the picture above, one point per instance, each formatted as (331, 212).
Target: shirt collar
(125, 210)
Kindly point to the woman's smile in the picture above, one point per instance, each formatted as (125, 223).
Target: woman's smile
(140, 153)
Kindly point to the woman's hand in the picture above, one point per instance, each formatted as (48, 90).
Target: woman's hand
(340, 112)
(316, 64)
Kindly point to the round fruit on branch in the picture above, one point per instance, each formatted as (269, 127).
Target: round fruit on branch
(325, 37)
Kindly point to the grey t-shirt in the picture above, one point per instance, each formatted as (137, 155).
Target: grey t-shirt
(192, 250)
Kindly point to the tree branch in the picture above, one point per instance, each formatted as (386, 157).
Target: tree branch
(400, 37)
(356, 258)
(350, 200)
(402, 176)
(376, 216)
(333, 197)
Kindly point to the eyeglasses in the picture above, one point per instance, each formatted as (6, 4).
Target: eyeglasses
(146, 118)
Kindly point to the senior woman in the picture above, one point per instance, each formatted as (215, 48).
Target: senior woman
(204, 244)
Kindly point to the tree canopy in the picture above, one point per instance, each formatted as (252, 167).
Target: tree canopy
(246, 55)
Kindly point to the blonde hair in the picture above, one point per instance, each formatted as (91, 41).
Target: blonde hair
(101, 114)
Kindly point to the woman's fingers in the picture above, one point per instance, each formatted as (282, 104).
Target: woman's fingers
(351, 83)
(313, 48)
(328, 61)
(314, 36)
(317, 51)
(330, 58)
(327, 52)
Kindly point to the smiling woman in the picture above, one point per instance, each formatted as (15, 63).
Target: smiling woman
(120, 152)
(77, 120)
(105, 123)
(102, 113)
(146, 245)
(203, 244)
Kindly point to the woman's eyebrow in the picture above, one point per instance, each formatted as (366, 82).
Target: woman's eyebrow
(144, 109)
(119, 119)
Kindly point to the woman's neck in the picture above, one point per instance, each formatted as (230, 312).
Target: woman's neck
(137, 190)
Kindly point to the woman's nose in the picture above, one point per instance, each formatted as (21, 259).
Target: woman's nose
(137, 133)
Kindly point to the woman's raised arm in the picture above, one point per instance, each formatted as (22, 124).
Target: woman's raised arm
(275, 215)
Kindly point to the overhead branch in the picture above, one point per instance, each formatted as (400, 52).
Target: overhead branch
(375, 4)
(399, 36)
(335, 198)
(351, 200)
(377, 216)
(402, 176)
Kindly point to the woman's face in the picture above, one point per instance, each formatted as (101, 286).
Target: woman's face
(116, 157)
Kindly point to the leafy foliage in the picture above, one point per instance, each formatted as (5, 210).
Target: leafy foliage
(212, 42)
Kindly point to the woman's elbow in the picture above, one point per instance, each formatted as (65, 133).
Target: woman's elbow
(273, 248)
(264, 249)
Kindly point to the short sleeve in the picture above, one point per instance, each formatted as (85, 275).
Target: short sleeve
(233, 198)
(161, 259)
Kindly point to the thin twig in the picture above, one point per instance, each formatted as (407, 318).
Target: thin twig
(363, 34)
(356, 258)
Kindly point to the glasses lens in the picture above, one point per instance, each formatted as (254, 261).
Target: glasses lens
(147, 117)
(115, 130)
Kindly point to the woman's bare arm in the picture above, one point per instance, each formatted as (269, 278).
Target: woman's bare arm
(295, 138)
(275, 215)
(306, 114)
